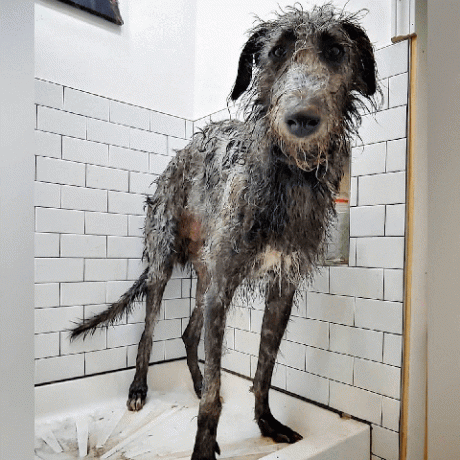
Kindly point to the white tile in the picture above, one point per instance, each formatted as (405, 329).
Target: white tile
(107, 178)
(137, 315)
(136, 225)
(174, 349)
(168, 329)
(175, 144)
(105, 360)
(384, 126)
(83, 199)
(124, 334)
(307, 385)
(393, 285)
(393, 59)
(292, 354)
(360, 282)
(392, 350)
(58, 270)
(173, 289)
(126, 203)
(308, 332)
(129, 115)
(357, 342)
(395, 221)
(97, 223)
(60, 122)
(352, 253)
(385, 443)
(188, 129)
(56, 319)
(386, 252)
(115, 289)
(239, 317)
(142, 183)
(83, 293)
(247, 342)
(186, 288)
(354, 401)
(86, 104)
(148, 142)
(237, 362)
(330, 365)
(135, 268)
(46, 345)
(46, 245)
(256, 320)
(389, 188)
(177, 308)
(47, 195)
(158, 163)
(50, 220)
(106, 269)
(398, 90)
(47, 144)
(83, 246)
(59, 368)
(377, 377)
(60, 171)
(48, 94)
(368, 159)
(108, 133)
(396, 155)
(332, 308)
(91, 343)
(132, 160)
(320, 281)
(391, 409)
(379, 315)
(367, 221)
(167, 124)
(46, 295)
(83, 151)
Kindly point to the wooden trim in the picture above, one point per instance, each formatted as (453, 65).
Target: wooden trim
(409, 248)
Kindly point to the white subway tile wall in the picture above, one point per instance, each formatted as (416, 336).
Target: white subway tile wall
(96, 159)
(343, 346)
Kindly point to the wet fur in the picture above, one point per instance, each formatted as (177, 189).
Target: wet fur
(249, 200)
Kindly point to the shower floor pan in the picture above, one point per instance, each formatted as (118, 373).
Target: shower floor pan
(87, 418)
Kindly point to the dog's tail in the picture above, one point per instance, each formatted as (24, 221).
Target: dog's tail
(112, 314)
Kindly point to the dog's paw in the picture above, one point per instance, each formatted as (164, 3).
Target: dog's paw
(271, 428)
(198, 453)
(136, 398)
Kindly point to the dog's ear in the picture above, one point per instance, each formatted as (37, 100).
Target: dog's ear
(248, 57)
(366, 78)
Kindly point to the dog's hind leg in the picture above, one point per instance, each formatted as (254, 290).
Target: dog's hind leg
(138, 389)
(276, 316)
(191, 337)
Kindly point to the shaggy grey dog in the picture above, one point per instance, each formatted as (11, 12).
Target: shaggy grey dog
(253, 199)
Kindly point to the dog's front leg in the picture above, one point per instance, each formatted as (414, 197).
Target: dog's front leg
(276, 316)
(215, 307)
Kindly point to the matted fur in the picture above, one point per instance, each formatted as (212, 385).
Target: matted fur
(253, 199)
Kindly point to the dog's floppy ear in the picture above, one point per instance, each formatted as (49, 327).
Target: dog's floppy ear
(366, 78)
(248, 56)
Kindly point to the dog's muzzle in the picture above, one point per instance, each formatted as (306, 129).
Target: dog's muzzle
(302, 123)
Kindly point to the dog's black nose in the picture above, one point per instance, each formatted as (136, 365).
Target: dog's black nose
(302, 124)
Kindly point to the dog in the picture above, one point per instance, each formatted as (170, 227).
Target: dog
(253, 199)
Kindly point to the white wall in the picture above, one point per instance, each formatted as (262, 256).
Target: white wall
(16, 230)
(221, 33)
(149, 61)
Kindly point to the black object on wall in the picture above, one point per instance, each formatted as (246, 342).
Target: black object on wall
(107, 9)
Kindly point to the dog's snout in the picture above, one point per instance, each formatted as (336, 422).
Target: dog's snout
(303, 124)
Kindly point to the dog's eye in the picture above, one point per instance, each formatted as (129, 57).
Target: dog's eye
(278, 52)
(334, 53)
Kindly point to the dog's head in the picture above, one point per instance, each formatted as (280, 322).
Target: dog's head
(305, 72)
